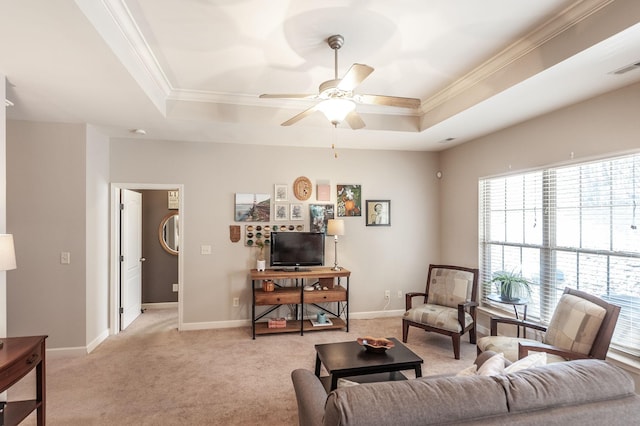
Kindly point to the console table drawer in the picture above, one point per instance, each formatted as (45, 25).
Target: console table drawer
(319, 296)
(278, 297)
(20, 366)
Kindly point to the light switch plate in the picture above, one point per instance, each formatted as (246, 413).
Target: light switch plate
(65, 257)
(205, 249)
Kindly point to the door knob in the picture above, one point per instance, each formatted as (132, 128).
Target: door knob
(142, 259)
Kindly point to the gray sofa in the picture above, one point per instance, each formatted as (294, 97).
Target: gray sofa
(583, 392)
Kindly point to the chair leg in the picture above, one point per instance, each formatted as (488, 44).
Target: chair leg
(472, 335)
(405, 331)
(455, 338)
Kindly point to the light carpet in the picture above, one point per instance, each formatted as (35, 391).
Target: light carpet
(151, 374)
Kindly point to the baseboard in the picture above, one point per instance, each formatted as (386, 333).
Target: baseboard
(58, 353)
(376, 314)
(190, 326)
(247, 323)
(94, 344)
(161, 305)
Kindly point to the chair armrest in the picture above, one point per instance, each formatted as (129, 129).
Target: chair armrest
(525, 347)
(513, 321)
(462, 307)
(408, 297)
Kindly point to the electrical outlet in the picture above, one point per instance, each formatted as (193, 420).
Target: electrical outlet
(65, 258)
(236, 302)
(399, 294)
(175, 288)
(387, 294)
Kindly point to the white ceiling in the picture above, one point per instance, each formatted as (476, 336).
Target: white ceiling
(192, 70)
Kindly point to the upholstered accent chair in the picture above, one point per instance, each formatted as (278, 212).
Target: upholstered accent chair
(581, 326)
(448, 307)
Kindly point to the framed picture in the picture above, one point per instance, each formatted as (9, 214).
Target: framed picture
(253, 207)
(295, 211)
(282, 212)
(319, 215)
(281, 192)
(349, 201)
(378, 213)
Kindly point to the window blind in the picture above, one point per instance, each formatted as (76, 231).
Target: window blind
(572, 226)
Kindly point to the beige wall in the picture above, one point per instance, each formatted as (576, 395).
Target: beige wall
(213, 173)
(46, 212)
(97, 240)
(602, 126)
(3, 205)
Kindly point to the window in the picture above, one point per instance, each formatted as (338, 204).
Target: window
(573, 226)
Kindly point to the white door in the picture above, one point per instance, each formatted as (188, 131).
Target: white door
(130, 257)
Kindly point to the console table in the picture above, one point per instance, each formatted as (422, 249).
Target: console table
(294, 294)
(18, 356)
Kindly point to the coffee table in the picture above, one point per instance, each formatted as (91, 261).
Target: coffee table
(346, 359)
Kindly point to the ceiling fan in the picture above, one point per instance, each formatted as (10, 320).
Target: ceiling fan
(337, 100)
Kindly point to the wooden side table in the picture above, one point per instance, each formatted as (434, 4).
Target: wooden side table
(515, 303)
(18, 356)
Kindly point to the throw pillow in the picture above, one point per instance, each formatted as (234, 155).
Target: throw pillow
(534, 360)
(344, 383)
(493, 366)
(469, 371)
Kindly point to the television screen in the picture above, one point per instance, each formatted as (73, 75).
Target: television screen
(297, 249)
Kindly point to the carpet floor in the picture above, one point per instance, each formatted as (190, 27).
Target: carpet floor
(151, 374)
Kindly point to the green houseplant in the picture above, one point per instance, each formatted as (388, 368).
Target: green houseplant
(511, 285)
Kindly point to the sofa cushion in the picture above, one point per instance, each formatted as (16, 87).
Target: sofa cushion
(565, 383)
(423, 401)
(438, 316)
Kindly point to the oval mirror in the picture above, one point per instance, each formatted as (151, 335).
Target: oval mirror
(168, 233)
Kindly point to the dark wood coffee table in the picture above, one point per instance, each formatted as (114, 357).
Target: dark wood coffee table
(347, 359)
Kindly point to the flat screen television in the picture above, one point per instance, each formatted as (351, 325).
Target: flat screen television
(295, 249)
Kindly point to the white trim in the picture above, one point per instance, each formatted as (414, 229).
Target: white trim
(215, 324)
(160, 305)
(96, 342)
(59, 353)
(114, 288)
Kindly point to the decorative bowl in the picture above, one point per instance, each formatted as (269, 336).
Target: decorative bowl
(375, 344)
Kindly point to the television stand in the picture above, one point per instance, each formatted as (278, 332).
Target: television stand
(290, 291)
(294, 269)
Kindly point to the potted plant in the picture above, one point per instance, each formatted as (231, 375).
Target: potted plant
(511, 285)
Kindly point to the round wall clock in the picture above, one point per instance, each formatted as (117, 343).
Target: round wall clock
(302, 188)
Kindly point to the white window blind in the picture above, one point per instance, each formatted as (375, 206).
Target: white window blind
(574, 226)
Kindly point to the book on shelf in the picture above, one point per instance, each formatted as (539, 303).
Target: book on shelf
(320, 324)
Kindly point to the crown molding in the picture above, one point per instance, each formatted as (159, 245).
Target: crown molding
(563, 21)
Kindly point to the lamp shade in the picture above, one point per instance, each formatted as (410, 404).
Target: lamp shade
(7, 253)
(336, 110)
(335, 227)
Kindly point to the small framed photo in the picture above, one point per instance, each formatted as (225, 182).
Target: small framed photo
(281, 192)
(296, 211)
(282, 212)
(378, 213)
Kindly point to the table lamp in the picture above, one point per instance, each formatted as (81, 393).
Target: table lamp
(7, 257)
(335, 227)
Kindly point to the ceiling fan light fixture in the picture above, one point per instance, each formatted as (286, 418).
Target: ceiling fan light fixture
(336, 110)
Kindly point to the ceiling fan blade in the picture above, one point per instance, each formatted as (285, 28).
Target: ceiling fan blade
(389, 101)
(303, 114)
(288, 96)
(356, 75)
(354, 120)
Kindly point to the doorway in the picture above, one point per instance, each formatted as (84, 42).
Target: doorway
(117, 189)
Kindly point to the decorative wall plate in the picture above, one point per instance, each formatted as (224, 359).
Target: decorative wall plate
(302, 188)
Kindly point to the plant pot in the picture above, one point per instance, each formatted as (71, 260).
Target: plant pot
(261, 265)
